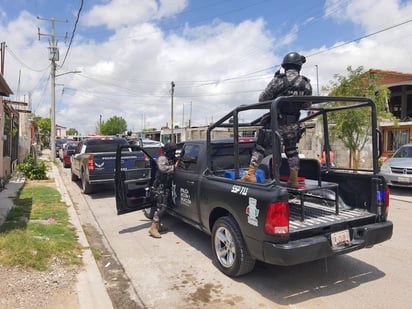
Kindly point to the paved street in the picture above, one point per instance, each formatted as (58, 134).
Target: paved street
(177, 270)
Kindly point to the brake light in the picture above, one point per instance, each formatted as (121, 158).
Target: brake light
(90, 163)
(160, 151)
(387, 201)
(277, 219)
(383, 202)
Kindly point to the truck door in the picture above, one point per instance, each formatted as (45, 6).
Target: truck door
(132, 184)
(187, 182)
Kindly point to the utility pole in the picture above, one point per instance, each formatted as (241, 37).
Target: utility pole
(100, 125)
(190, 117)
(53, 57)
(183, 116)
(3, 54)
(172, 138)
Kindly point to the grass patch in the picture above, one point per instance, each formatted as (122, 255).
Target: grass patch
(37, 230)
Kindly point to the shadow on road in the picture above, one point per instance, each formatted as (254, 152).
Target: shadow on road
(285, 285)
(400, 191)
(136, 228)
(299, 283)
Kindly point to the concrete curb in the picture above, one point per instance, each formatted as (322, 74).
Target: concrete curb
(90, 287)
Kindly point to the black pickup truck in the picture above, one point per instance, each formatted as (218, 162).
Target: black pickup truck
(334, 210)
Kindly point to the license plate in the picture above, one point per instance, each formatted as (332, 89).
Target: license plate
(403, 179)
(340, 239)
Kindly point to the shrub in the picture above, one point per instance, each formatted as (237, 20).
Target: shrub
(32, 170)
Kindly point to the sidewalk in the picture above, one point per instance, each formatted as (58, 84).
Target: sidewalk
(8, 194)
(91, 291)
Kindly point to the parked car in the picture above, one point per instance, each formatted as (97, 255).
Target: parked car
(152, 147)
(397, 170)
(59, 144)
(68, 151)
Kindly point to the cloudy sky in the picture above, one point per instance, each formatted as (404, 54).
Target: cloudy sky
(219, 54)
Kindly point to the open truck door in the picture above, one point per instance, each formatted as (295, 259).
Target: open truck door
(133, 186)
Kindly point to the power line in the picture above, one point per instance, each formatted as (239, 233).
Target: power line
(360, 38)
(24, 64)
(73, 32)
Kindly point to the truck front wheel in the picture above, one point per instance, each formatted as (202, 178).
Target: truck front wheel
(229, 248)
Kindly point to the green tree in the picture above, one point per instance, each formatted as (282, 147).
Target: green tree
(114, 125)
(72, 132)
(45, 130)
(352, 126)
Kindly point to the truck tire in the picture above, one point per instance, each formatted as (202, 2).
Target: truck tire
(86, 187)
(74, 177)
(229, 248)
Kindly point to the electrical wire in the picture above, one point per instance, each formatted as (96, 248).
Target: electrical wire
(41, 97)
(73, 32)
(360, 38)
(24, 64)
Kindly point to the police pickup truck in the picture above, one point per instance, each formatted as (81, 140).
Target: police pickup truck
(334, 211)
(93, 161)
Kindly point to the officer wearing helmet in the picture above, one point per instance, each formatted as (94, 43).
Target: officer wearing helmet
(165, 170)
(286, 84)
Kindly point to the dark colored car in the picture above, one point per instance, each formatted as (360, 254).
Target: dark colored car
(68, 150)
(59, 144)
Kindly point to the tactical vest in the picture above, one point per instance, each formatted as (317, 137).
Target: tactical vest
(289, 112)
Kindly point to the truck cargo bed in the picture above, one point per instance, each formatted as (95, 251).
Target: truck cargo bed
(318, 216)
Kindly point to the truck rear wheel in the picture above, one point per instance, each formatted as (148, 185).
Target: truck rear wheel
(229, 248)
(86, 187)
(74, 177)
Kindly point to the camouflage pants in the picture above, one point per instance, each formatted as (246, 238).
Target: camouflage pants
(290, 137)
(162, 196)
(257, 156)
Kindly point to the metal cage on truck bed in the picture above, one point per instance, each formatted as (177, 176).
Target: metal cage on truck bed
(342, 188)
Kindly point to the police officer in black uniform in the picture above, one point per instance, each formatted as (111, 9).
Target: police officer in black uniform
(286, 84)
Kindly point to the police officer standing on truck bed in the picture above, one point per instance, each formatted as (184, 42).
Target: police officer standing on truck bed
(286, 84)
(165, 171)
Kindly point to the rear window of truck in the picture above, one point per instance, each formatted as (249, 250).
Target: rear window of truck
(104, 145)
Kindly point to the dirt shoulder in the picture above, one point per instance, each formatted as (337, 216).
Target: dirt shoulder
(55, 288)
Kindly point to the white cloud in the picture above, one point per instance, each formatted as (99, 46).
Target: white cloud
(215, 66)
(125, 13)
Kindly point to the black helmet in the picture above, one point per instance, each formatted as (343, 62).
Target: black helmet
(169, 150)
(293, 60)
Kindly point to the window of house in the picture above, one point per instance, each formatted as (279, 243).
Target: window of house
(395, 106)
(395, 138)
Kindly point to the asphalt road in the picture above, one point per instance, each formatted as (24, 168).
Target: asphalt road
(177, 271)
